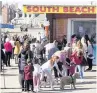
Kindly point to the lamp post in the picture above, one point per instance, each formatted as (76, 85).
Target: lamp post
(0, 30)
(1, 21)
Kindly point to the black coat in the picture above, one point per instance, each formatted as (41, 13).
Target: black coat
(2, 55)
(23, 57)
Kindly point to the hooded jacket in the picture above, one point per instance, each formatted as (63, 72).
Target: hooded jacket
(28, 72)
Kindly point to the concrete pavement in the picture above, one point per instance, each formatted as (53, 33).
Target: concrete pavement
(33, 32)
(12, 82)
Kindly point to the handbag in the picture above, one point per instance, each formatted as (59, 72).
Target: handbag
(90, 55)
(84, 62)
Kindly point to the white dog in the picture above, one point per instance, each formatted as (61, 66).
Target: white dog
(69, 80)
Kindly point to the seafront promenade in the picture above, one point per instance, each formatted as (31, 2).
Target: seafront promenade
(10, 76)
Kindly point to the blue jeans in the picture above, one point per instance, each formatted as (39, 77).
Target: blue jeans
(80, 70)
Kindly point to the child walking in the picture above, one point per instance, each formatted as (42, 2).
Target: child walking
(28, 75)
(36, 76)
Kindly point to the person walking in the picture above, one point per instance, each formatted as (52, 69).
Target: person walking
(28, 75)
(64, 41)
(36, 76)
(2, 58)
(12, 41)
(8, 51)
(73, 41)
(60, 45)
(23, 56)
(83, 41)
(84, 62)
(77, 58)
(89, 55)
(37, 52)
(16, 50)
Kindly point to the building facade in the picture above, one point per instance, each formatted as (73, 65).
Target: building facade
(71, 23)
(8, 13)
(5, 13)
(0, 32)
(12, 12)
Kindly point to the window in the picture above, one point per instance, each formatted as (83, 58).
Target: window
(82, 28)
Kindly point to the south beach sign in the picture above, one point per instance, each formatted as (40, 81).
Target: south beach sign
(60, 9)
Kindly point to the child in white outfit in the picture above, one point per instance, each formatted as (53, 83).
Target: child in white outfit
(36, 77)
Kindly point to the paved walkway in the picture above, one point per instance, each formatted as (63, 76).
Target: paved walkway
(12, 84)
(34, 31)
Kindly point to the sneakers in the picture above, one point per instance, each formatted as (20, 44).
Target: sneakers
(89, 69)
(81, 80)
(36, 89)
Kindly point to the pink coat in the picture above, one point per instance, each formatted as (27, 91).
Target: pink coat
(8, 47)
(28, 72)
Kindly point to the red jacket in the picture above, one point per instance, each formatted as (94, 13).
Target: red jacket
(28, 72)
(8, 47)
(76, 59)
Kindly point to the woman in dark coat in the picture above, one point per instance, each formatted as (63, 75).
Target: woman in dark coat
(2, 58)
(24, 55)
(22, 62)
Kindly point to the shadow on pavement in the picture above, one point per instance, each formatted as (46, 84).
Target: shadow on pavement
(90, 77)
(84, 88)
(9, 74)
(13, 68)
(52, 91)
(93, 70)
(11, 92)
(63, 91)
(3, 71)
(91, 82)
(10, 88)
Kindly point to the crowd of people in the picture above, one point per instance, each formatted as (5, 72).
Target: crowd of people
(39, 61)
